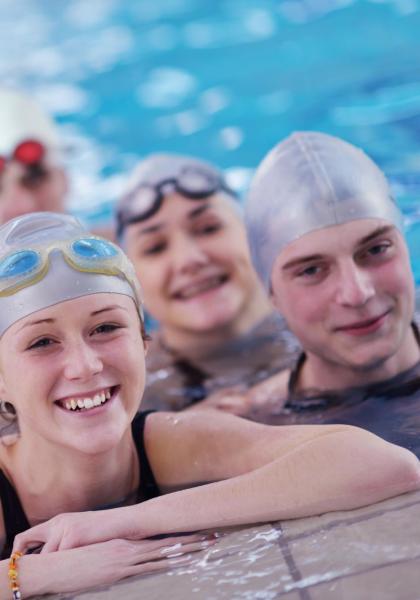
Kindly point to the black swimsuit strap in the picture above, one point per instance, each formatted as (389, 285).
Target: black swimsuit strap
(148, 487)
(15, 520)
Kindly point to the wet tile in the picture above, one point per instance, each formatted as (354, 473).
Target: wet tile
(330, 553)
(246, 565)
(353, 547)
(394, 582)
(300, 526)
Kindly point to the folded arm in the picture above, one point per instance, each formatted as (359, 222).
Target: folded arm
(257, 474)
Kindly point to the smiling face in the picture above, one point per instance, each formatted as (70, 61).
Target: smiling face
(193, 262)
(347, 293)
(83, 366)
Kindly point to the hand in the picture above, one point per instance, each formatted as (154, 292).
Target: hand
(77, 570)
(234, 400)
(71, 530)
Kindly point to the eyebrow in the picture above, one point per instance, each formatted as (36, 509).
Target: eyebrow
(37, 322)
(192, 214)
(376, 233)
(49, 321)
(107, 308)
(365, 239)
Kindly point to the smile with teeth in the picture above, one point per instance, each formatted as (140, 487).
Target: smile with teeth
(87, 403)
(200, 287)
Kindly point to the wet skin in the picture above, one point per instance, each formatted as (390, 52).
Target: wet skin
(194, 265)
(347, 292)
(75, 350)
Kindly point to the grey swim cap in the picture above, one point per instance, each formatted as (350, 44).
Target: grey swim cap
(310, 181)
(159, 175)
(47, 258)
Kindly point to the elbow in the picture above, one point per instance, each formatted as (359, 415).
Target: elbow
(404, 469)
(386, 470)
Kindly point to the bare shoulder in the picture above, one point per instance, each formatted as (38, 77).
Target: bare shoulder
(194, 447)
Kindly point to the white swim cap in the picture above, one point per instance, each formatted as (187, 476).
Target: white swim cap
(310, 181)
(47, 258)
(21, 118)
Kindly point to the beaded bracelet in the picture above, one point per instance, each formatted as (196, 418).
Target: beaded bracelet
(13, 575)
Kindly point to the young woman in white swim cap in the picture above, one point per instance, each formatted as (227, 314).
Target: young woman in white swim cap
(72, 370)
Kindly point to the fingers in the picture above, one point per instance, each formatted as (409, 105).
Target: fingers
(32, 538)
(172, 541)
(52, 545)
(158, 566)
(145, 556)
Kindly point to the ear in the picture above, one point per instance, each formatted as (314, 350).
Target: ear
(274, 300)
(3, 392)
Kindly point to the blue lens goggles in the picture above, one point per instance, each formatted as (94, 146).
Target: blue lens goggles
(24, 267)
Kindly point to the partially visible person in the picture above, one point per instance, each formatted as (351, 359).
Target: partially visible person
(327, 240)
(72, 370)
(32, 176)
(181, 226)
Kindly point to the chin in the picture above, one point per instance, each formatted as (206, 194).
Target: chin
(369, 361)
(208, 322)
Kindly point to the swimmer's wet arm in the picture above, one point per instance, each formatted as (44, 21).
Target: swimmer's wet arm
(275, 473)
(334, 468)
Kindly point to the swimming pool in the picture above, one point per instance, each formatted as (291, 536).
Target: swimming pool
(223, 79)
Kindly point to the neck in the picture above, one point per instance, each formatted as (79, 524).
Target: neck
(198, 344)
(50, 481)
(319, 373)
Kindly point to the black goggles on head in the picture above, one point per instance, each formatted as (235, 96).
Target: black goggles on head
(195, 183)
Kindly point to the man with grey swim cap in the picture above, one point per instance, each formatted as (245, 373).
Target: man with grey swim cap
(307, 182)
(326, 240)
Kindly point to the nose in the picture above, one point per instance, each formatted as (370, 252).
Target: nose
(355, 286)
(82, 362)
(187, 254)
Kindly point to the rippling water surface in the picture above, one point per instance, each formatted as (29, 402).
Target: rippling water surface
(223, 79)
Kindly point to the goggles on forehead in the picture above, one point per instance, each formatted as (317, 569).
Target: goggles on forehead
(194, 182)
(24, 267)
(29, 153)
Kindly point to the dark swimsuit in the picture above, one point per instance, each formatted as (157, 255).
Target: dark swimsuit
(320, 398)
(14, 516)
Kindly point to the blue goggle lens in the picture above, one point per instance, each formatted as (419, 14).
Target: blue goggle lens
(93, 249)
(18, 264)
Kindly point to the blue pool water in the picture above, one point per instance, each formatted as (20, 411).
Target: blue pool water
(222, 79)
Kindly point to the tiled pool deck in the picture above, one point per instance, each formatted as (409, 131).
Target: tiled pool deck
(368, 554)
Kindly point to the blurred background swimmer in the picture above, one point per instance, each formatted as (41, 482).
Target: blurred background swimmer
(327, 241)
(32, 175)
(181, 226)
